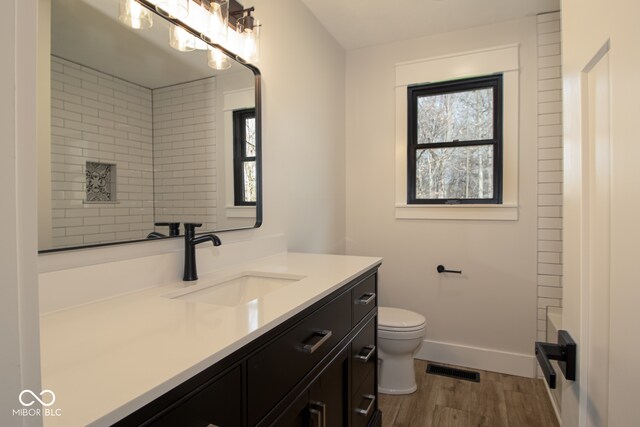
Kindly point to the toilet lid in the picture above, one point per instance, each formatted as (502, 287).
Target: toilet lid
(393, 319)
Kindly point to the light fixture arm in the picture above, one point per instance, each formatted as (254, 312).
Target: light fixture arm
(244, 19)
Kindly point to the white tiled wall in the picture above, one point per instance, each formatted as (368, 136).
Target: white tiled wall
(549, 167)
(101, 118)
(184, 127)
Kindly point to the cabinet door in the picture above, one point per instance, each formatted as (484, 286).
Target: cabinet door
(218, 404)
(324, 403)
(296, 415)
(328, 396)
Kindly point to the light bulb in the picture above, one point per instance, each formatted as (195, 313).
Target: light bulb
(181, 40)
(135, 15)
(217, 59)
(218, 21)
(178, 9)
(234, 41)
(251, 44)
(198, 19)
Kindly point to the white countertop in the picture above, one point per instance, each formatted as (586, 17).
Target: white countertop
(108, 358)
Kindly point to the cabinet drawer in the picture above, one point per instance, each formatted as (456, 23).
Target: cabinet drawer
(364, 298)
(363, 402)
(218, 404)
(363, 354)
(274, 370)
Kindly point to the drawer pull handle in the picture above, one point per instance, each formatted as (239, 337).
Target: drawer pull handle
(311, 348)
(364, 358)
(319, 411)
(366, 299)
(365, 412)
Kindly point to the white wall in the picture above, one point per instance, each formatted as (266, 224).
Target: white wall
(588, 25)
(19, 352)
(492, 306)
(303, 125)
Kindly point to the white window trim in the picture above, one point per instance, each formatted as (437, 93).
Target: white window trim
(502, 59)
(234, 100)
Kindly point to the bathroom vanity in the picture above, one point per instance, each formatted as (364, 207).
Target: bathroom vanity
(302, 353)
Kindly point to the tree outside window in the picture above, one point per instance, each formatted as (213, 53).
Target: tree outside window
(455, 142)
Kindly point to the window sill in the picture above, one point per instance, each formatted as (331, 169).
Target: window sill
(503, 212)
(240, 211)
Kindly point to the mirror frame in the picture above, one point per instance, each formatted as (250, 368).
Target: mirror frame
(258, 108)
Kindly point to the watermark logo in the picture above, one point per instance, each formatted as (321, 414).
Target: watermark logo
(28, 398)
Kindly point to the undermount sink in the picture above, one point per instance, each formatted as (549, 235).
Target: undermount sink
(237, 290)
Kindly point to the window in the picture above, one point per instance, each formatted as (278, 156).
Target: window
(244, 157)
(455, 142)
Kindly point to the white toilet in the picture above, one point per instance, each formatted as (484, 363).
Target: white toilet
(400, 333)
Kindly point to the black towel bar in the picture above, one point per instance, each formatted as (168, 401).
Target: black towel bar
(442, 269)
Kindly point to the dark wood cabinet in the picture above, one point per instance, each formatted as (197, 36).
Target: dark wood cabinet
(218, 403)
(325, 402)
(316, 369)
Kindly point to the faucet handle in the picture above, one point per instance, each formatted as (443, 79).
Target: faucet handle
(192, 225)
(190, 229)
(174, 227)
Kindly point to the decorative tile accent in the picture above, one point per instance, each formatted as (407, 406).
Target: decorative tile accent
(101, 181)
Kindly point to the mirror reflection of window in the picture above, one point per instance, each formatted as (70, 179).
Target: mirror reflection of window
(244, 155)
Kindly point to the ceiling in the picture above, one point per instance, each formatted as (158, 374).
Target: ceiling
(89, 33)
(359, 23)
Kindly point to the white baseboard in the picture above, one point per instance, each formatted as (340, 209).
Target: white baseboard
(523, 365)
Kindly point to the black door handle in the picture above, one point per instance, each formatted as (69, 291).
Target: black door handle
(564, 352)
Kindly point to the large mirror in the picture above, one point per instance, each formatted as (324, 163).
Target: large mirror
(142, 135)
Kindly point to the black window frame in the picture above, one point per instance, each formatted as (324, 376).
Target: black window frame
(240, 155)
(495, 82)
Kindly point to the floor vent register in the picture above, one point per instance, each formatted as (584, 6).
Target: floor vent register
(460, 374)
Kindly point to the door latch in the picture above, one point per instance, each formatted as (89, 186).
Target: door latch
(564, 353)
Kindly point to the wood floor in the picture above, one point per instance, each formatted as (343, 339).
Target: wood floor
(497, 400)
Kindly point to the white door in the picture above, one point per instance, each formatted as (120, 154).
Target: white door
(587, 398)
(601, 294)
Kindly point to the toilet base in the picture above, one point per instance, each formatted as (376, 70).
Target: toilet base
(395, 392)
(396, 374)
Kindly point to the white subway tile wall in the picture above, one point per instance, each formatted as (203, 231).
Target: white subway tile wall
(184, 128)
(99, 118)
(549, 167)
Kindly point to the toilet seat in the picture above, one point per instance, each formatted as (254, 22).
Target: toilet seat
(393, 319)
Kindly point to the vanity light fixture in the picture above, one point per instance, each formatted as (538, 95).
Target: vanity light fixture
(180, 40)
(227, 27)
(177, 9)
(134, 15)
(217, 60)
(249, 29)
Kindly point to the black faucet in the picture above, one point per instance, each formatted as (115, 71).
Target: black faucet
(190, 242)
(174, 230)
